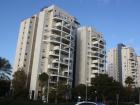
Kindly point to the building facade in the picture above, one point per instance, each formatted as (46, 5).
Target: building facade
(122, 62)
(112, 62)
(90, 55)
(26, 46)
(138, 76)
(51, 50)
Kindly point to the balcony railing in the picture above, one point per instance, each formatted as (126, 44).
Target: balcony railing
(52, 67)
(55, 61)
(56, 48)
(53, 53)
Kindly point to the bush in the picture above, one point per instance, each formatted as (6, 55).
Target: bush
(11, 101)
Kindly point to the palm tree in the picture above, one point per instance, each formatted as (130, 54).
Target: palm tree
(43, 79)
(5, 69)
(129, 81)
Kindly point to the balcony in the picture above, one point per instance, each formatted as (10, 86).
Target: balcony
(56, 31)
(66, 51)
(66, 59)
(95, 42)
(55, 61)
(63, 62)
(55, 40)
(94, 71)
(95, 61)
(53, 53)
(52, 67)
(93, 65)
(58, 24)
(56, 48)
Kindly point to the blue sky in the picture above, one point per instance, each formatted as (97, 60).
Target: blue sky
(118, 20)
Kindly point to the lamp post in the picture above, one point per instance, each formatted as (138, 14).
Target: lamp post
(48, 88)
(86, 89)
(117, 98)
(95, 96)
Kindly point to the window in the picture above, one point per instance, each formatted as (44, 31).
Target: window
(30, 27)
(45, 37)
(25, 53)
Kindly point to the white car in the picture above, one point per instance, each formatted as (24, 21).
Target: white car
(86, 103)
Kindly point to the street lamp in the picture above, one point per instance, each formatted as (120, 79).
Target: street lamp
(117, 98)
(48, 88)
(86, 89)
(95, 96)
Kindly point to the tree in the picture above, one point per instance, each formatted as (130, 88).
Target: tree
(19, 84)
(129, 81)
(106, 87)
(79, 90)
(63, 92)
(5, 69)
(43, 79)
(4, 87)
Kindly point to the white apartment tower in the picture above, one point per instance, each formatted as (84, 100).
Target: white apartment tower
(112, 68)
(90, 55)
(138, 76)
(26, 47)
(129, 64)
(121, 63)
(46, 44)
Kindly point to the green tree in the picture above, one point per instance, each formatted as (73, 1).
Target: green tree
(129, 81)
(4, 87)
(5, 69)
(19, 84)
(43, 79)
(79, 90)
(63, 92)
(106, 87)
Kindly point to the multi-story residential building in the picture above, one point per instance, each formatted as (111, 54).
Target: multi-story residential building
(90, 55)
(112, 68)
(129, 64)
(46, 44)
(138, 76)
(122, 62)
(114, 62)
(25, 47)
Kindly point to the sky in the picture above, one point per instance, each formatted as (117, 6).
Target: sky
(118, 20)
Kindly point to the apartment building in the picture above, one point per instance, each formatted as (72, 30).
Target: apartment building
(46, 44)
(112, 64)
(25, 47)
(90, 55)
(138, 76)
(129, 64)
(122, 62)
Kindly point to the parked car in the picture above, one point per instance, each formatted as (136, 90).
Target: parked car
(86, 103)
